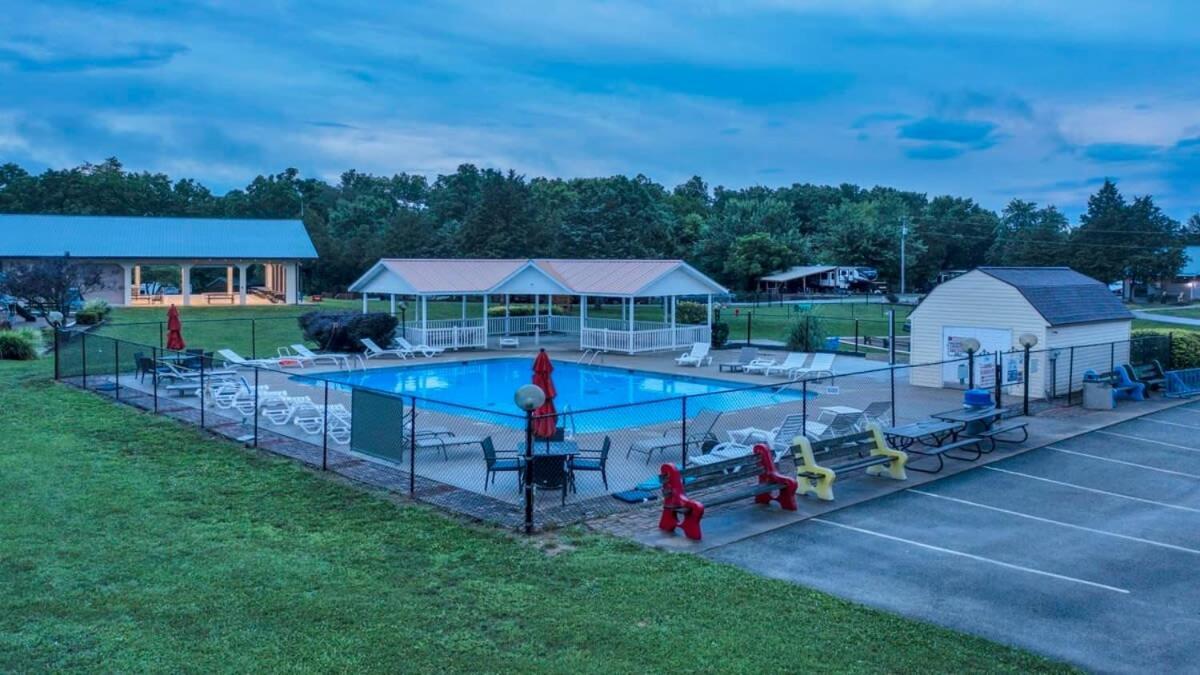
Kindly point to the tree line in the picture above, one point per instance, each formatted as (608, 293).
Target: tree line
(734, 235)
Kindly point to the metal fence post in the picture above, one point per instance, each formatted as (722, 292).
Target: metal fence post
(1112, 355)
(748, 317)
(528, 472)
(856, 336)
(254, 338)
(1170, 349)
(160, 335)
(999, 370)
(412, 447)
(57, 373)
(83, 356)
(325, 431)
(1025, 380)
(804, 407)
(117, 369)
(892, 374)
(683, 442)
(154, 375)
(201, 390)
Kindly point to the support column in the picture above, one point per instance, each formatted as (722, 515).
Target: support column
(229, 279)
(673, 301)
(464, 307)
(137, 278)
(127, 283)
(424, 313)
(364, 310)
(185, 283)
(243, 282)
(392, 303)
(291, 284)
(485, 320)
(709, 316)
(631, 316)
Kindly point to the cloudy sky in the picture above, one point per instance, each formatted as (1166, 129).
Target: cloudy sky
(991, 99)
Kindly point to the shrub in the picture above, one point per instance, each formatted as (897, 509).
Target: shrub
(97, 306)
(689, 312)
(93, 312)
(1185, 348)
(892, 299)
(341, 331)
(720, 334)
(522, 310)
(20, 345)
(806, 335)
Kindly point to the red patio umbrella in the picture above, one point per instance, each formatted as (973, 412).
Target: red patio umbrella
(544, 417)
(174, 330)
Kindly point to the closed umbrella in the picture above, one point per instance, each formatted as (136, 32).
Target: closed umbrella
(544, 417)
(174, 330)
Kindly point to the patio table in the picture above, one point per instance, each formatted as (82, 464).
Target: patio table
(974, 420)
(549, 448)
(925, 432)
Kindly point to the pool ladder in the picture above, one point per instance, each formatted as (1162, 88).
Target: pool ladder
(589, 357)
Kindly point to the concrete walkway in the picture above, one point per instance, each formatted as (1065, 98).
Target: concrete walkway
(1166, 318)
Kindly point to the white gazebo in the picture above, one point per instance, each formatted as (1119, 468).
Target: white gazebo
(498, 281)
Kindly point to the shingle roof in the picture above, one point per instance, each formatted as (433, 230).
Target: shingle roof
(1061, 295)
(40, 236)
(797, 273)
(584, 277)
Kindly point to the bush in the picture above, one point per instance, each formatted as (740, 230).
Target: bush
(806, 335)
(341, 331)
(1185, 348)
(693, 313)
(522, 310)
(892, 299)
(20, 345)
(720, 334)
(93, 312)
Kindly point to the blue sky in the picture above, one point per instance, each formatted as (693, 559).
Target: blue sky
(989, 99)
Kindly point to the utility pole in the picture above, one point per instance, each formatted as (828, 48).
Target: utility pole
(903, 235)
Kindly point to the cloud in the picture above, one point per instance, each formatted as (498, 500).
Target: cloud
(950, 131)
(1120, 152)
(134, 55)
(935, 151)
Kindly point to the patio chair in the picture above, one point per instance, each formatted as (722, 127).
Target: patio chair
(593, 460)
(758, 366)
(840, 425)
(303, 352)
(427, 351)
(792, 362)
(746, 356)
(507, 462)
(697, 357)
(374, 351)
(231, 357)
(146, 366)
(877, 412)
(820, 368)
(550, 473)
(699, 431)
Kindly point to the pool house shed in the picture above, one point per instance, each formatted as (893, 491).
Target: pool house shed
(497, 282)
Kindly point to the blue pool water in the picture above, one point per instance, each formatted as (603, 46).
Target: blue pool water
(488, 385)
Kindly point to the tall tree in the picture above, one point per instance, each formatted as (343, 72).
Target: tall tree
(1101, 241)
(1028, 236)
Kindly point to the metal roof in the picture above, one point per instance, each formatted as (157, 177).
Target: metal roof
(1061, 295)
(1191, 263)
(582, 277)
(133, 237)
(798, 273)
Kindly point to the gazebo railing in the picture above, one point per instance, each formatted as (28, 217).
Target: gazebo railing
(449, 336)
(638, 341)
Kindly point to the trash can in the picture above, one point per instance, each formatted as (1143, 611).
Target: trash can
(1097, 395)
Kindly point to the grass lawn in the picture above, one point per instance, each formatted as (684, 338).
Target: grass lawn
(1143, 324)
(836, 319)
(133, 543)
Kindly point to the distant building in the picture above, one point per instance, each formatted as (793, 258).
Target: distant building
(1187, 283)
(804, 279)
(270, 251)
(996, 305)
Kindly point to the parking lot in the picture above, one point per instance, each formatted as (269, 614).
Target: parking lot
(1087, 550)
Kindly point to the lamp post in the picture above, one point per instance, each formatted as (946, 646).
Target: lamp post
(403, 307)
(970, 346)
(529, 397)
(1028, 341)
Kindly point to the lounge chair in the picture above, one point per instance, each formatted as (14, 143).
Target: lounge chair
(876, 412)
(699, 431)
(794, 361)
(312, 419)
(840, 425)
(374, 351)
(279, 411)
(231, 357)
(758, 366)
(425, 350)
(697, 357)
(303, 352)
(821, 367)
(746, 356)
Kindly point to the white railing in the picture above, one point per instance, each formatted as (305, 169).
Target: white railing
(620, 324)
(634, 342)
(449, 337)
(528, 325)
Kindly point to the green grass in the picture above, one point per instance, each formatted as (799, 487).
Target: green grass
(1189, 312)
(133, 543)
(836, 319)
(1143, 324)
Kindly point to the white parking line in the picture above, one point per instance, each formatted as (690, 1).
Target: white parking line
(972, 556)
(1115, 535)
(1092, 489)
(1166, 422)
(1146, 440)
(1124, 463)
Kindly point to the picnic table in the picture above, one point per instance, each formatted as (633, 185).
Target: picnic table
(925, 432)
(974, 420)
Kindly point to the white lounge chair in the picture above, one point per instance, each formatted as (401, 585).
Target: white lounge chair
(279, 411)
(426, 350)
(793, 362)
(699, 430)
(301, 351)
(821, 367)
(758, 366)
(374, 351)
(311, 419)
(231, 357)
(697, 357)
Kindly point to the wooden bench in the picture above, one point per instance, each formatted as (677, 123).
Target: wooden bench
(222, 297)
(843, 454)
(1152, 374)
(678, 483)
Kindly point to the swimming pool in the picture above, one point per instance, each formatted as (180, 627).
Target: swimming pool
(488, 385)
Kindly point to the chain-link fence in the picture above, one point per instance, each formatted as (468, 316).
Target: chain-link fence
(523, 471)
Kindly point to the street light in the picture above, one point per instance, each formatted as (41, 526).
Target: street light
(1028, 341)
(529, 397)
(970, 346)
